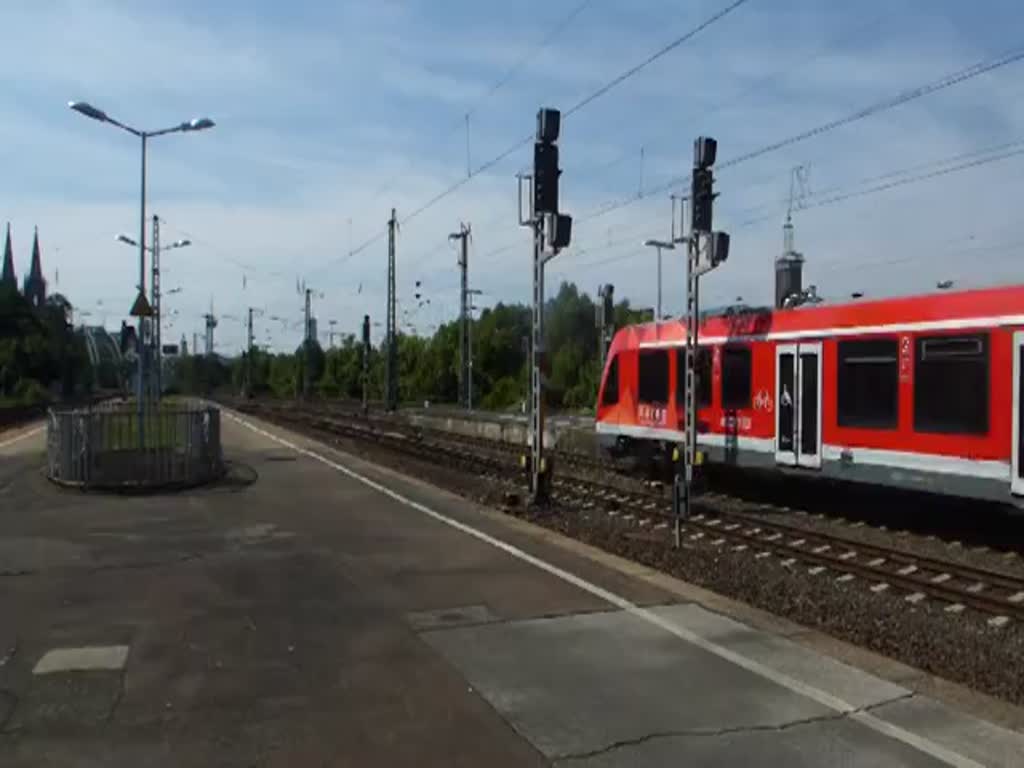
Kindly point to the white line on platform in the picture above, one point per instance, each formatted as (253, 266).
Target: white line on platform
(824, 698)
(22, 436)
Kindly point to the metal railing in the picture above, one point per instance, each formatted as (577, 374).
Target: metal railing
(99, 447)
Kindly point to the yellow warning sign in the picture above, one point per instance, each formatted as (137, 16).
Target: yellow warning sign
(141, 307)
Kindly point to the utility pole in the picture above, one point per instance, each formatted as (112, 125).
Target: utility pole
(248, 365)
(465, 384)
(705, 250)
(211, 323)
(195, 343)
(307, 345)
(366, 363)
(553, 229)
(307, 315)
(157, 378)
(391, 361)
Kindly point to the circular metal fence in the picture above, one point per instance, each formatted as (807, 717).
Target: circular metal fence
(114, 446)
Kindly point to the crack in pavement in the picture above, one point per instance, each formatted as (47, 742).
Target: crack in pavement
(127, 565)
(727, 731)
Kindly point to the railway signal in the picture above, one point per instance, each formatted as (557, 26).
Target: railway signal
(552, 231)
(706, 249)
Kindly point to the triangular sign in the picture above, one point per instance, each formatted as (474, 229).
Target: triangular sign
(141, 307)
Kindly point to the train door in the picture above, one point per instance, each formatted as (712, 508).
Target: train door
(1017, 474)
(798, 405)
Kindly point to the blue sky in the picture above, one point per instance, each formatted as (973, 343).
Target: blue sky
(331, 113)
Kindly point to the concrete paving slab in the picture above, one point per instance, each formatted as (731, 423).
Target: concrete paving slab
(855, 687)
(984, 742)
(577, 684)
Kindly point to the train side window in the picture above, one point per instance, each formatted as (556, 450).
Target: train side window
(951, 381)
(653, 376)
(702, 371)
(868, 384)
(610, 396)
(736, 374)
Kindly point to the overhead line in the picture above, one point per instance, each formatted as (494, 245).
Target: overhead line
(901, 98)
(1006, 155)
(1002, 152)
(757, 86)
(504, 79)
(842, 188)
(545, 41)
(601, 91)
(914, 179)
(655, 56)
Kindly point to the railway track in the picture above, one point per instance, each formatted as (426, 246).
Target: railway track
(646, 516)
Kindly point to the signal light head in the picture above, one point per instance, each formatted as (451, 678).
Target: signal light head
(548, 125)
(704, 151)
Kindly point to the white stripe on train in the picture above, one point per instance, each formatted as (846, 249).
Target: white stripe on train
(922, 462)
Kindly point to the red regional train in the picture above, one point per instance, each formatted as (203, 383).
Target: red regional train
(920, 392)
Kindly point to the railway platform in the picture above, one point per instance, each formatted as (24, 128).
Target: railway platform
(315, 609)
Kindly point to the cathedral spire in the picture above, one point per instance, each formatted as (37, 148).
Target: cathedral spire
(8, 277)
(36, 272)
(35, 283)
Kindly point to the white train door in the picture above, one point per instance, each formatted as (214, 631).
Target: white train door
(785, 404)
(1017, 465)
(798, 405)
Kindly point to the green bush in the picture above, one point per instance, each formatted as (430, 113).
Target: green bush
(505, 393)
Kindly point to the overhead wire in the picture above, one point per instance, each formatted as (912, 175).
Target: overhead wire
(759, 84)
(836, 194)
(502, 81)
(583, 102)
(903, 97)
(899, 99)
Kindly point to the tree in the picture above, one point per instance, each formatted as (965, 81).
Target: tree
(39, 351)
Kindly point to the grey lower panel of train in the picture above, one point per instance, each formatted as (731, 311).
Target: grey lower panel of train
(946, 483)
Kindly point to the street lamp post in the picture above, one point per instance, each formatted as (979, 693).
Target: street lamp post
(196, 124)
(658, 245)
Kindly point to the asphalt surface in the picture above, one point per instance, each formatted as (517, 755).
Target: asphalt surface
(315, 610)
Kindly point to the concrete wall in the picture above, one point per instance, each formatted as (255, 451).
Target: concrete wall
(567, 433)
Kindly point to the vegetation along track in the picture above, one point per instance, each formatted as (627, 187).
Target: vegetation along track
(998, 595)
